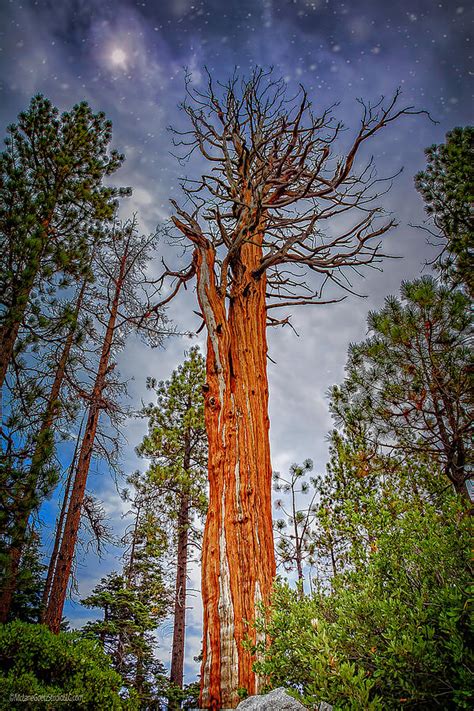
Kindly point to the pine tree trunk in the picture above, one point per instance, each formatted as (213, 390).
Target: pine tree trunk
(456, 471)
(299, 567)
(179, 628)
(54, 610)
(12, 322)
(238, 554)
(59, 533)
(28, 497)
(22, 288)
(298, 544)
(333, 559)
(8, 336)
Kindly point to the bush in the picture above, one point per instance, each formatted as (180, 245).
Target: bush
(36, 663)
(391, 634)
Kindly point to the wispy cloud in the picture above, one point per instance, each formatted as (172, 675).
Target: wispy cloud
(128, 59)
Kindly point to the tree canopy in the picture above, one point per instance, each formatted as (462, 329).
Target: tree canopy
(409, 383)
(447, 187)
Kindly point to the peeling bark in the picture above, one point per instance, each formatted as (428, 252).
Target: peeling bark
(238, 553)
(274, 181)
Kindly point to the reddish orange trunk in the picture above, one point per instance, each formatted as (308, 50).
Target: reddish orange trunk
(58, 535)
(57, 597)
(8, 338)
(238, 554)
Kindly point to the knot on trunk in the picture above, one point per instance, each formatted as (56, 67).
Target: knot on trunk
(213, 403)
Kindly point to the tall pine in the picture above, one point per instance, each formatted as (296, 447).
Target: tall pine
(176, 443)
(52, 205)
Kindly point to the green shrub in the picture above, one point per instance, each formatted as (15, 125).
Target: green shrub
(391, 634)
(36, 663)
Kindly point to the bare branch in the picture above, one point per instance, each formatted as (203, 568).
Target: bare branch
(275, 180)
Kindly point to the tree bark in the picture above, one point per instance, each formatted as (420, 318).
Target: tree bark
(54, 610)
(179, 628)
(59, 533)
(272, 170)
(8, 336)
(28, 499)
(238, 564)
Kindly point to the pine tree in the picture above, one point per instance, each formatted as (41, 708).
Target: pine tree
(135, 601)
(447, 187)
(53, 212)
(26, 603)
(52, 205)
(409, 382)
(295, 544)
(40, 477)
(123, 266)
(393, 624)
(361, 494)
(177, 446)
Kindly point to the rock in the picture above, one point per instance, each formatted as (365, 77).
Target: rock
(276, 700)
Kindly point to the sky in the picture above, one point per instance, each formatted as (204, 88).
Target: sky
(129, 60)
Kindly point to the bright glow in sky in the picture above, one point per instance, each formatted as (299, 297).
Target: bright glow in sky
(118, 57)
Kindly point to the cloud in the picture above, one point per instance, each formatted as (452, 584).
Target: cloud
(66, 50)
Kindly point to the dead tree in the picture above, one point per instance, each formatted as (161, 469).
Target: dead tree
(275, 207)
(28, 495)
(122, 266)
(59, 528)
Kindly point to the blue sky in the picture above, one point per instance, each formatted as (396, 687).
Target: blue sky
(128, 58)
